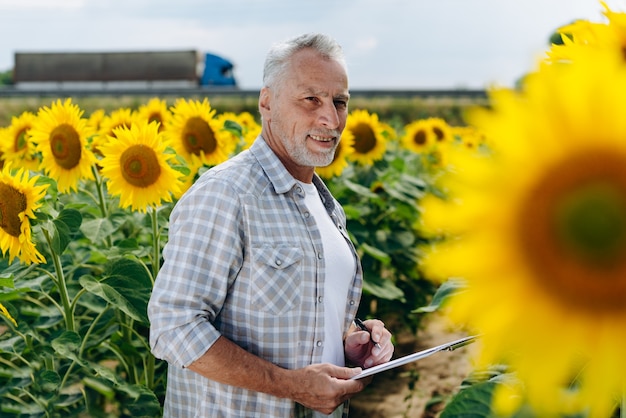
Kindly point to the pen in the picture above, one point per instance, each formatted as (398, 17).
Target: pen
(362, 326)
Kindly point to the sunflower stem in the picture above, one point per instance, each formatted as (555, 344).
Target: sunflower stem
(101, 198)
(68, 312)
(156, 243)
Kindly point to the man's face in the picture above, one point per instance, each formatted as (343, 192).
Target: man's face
(303, 118)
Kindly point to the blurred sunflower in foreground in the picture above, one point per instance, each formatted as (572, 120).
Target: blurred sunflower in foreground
(137, 168)
(538, 231)
(582, 36)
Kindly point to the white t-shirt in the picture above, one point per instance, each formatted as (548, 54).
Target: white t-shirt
(339, 273)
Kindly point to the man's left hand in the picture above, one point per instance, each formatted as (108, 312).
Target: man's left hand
(360, 348)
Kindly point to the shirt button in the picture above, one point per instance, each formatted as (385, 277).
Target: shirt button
(320, 299)
(320, 255)
(352, 303)
(319, 343)
(307, 214)
(278, 262)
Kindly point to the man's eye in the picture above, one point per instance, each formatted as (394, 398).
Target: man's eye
(341, 104)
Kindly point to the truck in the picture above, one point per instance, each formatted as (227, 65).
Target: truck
(121, 70)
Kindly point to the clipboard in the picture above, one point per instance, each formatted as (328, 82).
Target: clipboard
(453, 345)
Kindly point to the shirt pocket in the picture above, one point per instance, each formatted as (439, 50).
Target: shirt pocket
(277, 278)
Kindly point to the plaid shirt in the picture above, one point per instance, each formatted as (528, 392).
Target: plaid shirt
(244, 259)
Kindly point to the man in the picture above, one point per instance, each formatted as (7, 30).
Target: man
(254, 304)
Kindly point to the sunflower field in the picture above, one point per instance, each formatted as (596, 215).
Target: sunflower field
(85, 205)
(511, 222)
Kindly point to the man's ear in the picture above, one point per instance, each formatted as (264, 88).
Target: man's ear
(264, 102)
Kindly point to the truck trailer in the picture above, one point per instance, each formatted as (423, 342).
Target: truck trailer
(119, 70)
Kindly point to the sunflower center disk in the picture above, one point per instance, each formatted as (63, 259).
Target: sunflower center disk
(364, 138)
(20, 140)
(140, 166)
(573, 232)
(12, 203)
(420, 137)
(198, 136)
(65, 146)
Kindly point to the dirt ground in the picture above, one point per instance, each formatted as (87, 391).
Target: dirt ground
(419, 389)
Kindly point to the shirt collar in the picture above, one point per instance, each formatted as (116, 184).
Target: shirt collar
(281, 179)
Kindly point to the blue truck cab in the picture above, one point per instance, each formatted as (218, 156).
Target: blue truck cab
(217, 72)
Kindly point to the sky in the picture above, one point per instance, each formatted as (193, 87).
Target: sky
(389, 44)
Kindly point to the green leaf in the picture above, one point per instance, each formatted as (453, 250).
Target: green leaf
(359, 189)
(234, 127)
(7, 282)
(376, 253)
(382, 288)
(49, 380)
(145, 404)
(65, 225)
(72, 218)
(100, 386)
(126, 285)
(471, 402)
(67, 344)
(449, 288)
(96, 230)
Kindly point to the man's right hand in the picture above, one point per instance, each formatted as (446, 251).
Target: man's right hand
(323, 387)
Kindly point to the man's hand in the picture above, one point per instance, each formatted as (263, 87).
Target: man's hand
(361, 351)
(323, 387)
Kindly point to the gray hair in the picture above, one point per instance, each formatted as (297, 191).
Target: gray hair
(278, 58)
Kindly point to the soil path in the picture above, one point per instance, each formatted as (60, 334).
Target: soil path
(419, 389)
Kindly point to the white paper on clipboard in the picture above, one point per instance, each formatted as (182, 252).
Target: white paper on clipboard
(415, 356)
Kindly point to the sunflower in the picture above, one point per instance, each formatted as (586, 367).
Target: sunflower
(440, 130)
(137, 167)
(60, 134)
(538, 231)
(19, 198)
(340, 160)
(155, 110)
(16, 146)
(582, 35)
(95, 119)
(122, 117)
(369, 140)
(197, 135)
(469, 136)
(417, 136)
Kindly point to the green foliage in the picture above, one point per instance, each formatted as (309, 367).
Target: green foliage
(6, 78)
(81, 344)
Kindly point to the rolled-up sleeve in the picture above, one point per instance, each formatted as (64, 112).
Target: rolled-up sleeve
(201, 259)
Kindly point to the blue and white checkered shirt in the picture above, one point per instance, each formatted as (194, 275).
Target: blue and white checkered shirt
(245, 260)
